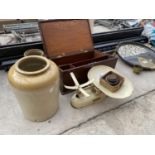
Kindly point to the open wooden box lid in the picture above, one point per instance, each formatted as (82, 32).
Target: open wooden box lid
(65, 37)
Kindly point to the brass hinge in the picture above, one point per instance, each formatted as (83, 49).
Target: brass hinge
(62, 55)
(82, 50)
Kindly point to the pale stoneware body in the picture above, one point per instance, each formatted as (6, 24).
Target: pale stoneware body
(35, 82)
(34, 52)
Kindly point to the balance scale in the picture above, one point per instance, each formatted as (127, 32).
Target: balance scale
(93, 91)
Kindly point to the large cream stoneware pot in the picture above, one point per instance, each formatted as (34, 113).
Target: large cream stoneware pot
(35, 82)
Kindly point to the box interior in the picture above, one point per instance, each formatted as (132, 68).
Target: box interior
(77, 60)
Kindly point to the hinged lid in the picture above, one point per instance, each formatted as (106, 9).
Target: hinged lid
(63, 37)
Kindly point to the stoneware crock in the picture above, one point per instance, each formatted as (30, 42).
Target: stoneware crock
(35, 82)
(34, 52)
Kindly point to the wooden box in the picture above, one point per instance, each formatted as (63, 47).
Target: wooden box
(69, 44)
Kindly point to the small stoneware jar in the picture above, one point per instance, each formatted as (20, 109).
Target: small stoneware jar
(35, 82)
(34, 52)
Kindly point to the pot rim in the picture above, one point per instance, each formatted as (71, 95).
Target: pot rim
(32, 72)
(39, 51)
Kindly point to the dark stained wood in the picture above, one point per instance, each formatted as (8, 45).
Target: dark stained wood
(69, 44)
(62, 37)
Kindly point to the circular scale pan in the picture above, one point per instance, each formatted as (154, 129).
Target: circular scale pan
(136, 54)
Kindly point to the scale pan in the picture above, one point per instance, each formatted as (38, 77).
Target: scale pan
(98, 71)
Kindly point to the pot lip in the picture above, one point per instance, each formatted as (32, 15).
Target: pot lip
(32, 72)
(26, 53)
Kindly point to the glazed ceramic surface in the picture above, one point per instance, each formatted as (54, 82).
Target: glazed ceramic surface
(34, 52)
(99, 71)
(35, 81)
